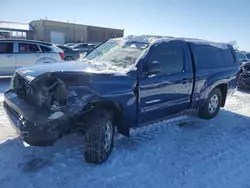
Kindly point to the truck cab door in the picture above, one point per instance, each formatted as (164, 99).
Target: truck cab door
(166, 83)
(7, 58)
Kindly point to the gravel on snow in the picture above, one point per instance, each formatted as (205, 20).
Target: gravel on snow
(183, 152)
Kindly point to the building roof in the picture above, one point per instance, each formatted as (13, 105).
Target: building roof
(41, 20)
(15, 26)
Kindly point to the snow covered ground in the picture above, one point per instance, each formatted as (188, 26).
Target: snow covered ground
(184, 152)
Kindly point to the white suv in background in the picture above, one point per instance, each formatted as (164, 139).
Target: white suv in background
(18, 53)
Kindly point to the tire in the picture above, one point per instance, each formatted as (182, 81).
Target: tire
(211, 107)
(68, 58)
(99, 137)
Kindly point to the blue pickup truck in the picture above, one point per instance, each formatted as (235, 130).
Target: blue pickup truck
(123, 83)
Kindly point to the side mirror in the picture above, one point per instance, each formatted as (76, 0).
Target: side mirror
(154, 67)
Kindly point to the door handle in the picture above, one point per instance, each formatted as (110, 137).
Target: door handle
(10, 55)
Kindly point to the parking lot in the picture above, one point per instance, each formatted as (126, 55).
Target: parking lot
(172, 153)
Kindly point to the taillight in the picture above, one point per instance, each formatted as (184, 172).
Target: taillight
(62, 55)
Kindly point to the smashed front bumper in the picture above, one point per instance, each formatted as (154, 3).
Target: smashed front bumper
(38, 126)
(244, 81)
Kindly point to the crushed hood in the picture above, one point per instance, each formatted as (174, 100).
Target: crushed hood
(30, 73)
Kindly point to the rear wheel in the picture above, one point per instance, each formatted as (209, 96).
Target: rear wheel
(99, 138)
(68, 59)
(212, 106)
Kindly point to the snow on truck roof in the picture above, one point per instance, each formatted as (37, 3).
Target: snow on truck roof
(154, 39)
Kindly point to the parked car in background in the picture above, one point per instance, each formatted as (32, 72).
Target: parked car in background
(248, 56)
(243, 56)
(70, 54)
(83, 47)
(244, 76)
(19, 53)
(69, 44)
(123, 83)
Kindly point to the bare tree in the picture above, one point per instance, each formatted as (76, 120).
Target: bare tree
(234, 44)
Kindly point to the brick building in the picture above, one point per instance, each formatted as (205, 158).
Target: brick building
(64, 32)
(61, 32)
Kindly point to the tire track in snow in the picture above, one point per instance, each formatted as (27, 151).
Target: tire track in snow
(207, 158)
(237, 101)
(214, 163)
(187, 165)
(203, 161)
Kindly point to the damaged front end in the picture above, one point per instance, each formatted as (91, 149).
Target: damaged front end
(43, 108)
(244, 76)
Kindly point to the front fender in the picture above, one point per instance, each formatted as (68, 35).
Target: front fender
(78, 99)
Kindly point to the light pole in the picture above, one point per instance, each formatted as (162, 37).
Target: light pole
(74, 29)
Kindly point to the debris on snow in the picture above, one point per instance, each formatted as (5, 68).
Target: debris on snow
(56, 115)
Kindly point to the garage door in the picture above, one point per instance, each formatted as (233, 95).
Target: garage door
(57, 37)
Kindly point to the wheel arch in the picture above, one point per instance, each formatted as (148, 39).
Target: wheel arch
(118, 115)
(223, 88)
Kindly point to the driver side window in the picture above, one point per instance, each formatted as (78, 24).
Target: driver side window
(169, 56)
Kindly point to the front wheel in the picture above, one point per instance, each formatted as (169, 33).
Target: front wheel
(212, 106)
(99, 138)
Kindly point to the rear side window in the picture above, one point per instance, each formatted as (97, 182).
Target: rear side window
(64, 48)
(45, 49)
(28, 48)
(6, 47)
(83, 45)
(207, 56)
(170, 57)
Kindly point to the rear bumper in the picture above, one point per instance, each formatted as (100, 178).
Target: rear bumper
(31, 123)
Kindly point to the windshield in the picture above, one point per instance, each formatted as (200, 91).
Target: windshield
(117, 53)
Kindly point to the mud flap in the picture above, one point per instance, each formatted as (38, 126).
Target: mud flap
(123, 129)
